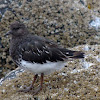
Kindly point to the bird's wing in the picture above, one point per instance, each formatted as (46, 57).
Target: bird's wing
(42, 50)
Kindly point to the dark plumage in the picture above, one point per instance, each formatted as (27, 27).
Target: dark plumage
(35, 49)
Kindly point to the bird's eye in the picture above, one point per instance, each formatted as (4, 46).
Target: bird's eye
(16, 28)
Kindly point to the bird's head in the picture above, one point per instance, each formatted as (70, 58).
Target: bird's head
(17, 29)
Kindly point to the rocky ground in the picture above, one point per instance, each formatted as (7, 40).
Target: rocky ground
(68, 22)
(79, 80)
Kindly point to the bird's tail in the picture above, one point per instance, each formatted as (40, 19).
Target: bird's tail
(77, 55)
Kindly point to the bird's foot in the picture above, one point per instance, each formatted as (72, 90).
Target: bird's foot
(34, 92)
(28, 89)
(31, 90)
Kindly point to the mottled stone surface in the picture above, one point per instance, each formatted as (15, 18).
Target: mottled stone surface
(67, 22)
(79, 80)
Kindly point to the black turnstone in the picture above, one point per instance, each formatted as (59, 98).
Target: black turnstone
(37, 54)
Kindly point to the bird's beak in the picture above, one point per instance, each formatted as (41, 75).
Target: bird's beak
(8, 33)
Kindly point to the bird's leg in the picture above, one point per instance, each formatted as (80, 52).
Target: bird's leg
(31, 86)
(40, 87)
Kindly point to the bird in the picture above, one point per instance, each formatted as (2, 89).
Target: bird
(37, 54)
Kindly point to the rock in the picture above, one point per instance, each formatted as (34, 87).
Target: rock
(67, 22)
(78, 81)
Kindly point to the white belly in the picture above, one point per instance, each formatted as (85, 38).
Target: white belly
(45, 68)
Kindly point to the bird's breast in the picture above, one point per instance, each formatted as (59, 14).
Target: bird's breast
(45, 68)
